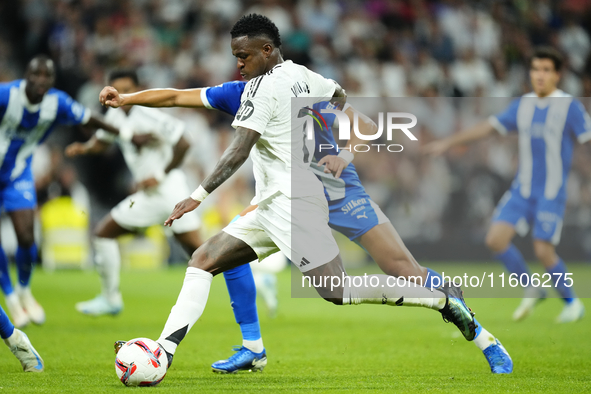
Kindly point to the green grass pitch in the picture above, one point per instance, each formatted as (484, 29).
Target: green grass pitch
(312, 345)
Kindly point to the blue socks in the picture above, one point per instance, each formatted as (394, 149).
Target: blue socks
(559, 283)
(25, 258)
(5, 282)
(243, 295)
(6, 327)
(514, 261)
(429, 280)
(515, 264)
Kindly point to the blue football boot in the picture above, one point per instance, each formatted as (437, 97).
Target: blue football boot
(498, 358)
(243, 360)
(457, 312)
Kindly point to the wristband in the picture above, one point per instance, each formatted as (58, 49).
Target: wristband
(159, 175)
(346, 155)
(126, 133)
(199, 194)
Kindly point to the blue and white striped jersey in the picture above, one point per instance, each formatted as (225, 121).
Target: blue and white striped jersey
(23, 125)
(547, 129)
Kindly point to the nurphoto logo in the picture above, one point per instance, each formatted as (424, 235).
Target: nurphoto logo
(391, 120)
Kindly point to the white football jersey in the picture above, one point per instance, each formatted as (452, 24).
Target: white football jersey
(149, 160)
(282, 155)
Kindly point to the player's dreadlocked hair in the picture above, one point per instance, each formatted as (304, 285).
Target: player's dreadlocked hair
(254, 25)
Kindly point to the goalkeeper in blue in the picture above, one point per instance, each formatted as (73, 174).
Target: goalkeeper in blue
(548, 122)
(364, 224)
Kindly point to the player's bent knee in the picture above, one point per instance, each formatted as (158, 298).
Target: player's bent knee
(199, 259)
(545, 252)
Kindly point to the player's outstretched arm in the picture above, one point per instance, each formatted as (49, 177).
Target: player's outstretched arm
(475, 133)
(190, 98)
(233, 157)
(93, 146)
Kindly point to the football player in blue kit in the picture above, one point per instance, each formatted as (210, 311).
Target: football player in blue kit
(352, 213)
(30, 108)
(548, 122)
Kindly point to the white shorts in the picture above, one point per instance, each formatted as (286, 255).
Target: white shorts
(148, 207)
(298, 227)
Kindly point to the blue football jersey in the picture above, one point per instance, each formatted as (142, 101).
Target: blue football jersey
(24, 125)
(547, 130)
(226, 98)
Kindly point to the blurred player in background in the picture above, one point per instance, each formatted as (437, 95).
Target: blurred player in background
(20, 345)
(160, 183)
(30, 108)
(548, 122)
(288, 195)
(372, 230)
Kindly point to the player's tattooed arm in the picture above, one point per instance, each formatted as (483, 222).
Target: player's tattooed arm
(234, 156)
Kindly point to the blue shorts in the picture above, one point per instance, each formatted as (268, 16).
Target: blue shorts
(355, 214)
(19, 193)
(545, 215)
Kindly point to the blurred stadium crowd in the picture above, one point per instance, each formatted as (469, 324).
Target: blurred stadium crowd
(375, 48)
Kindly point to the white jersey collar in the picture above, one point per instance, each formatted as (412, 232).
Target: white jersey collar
(26, 103)
(543, 102)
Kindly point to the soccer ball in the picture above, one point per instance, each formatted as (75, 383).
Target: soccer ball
(141, 362)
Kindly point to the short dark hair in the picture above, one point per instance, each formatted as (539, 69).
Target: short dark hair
(551, 53)
(124, 73)
(254, 25)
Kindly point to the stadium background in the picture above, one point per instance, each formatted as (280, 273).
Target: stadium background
(373, 48)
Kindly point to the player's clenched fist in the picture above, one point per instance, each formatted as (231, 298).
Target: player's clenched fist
(333, 164)
(110, 96)
(187, 205)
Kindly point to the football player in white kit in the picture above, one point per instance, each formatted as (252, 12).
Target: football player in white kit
(160, 183)
(292, 213)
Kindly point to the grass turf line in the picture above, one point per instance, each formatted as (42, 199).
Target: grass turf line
(312, 345)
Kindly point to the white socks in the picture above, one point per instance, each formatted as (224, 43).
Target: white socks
(385, 289)
(108, 263)
(254, 346)
(484, 339)
(188, 308)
